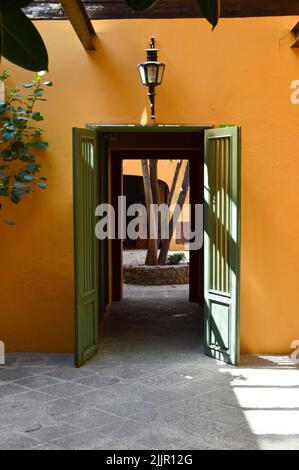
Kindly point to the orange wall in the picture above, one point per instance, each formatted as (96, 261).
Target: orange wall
(240, 73)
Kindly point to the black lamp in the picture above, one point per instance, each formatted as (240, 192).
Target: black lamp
(151, 73)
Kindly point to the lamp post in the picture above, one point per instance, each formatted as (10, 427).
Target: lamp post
(151, 73)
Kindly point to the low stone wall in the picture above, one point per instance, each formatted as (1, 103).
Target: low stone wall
(156, 275)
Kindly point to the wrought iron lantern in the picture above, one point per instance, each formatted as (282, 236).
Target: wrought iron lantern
(151, 73)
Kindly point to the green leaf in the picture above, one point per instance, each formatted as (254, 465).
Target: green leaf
(19, 122)
(39, 74)
(19, 185)
(4, 75)
(48, 83)
(28, 85)
(210, 10)
(36, 116)
(4, 192)
(6, 136)
(27, 158)
(33, 168)
(22, 43)
(15, 198)
(18, 147)
(37, 144)
(38, 93)
(8, 222)
(139, 5)
(13, 4)
(5, 180)
(29, 178)
(5, 154)
(42, 185)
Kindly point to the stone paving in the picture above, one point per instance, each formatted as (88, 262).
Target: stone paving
(138, 256)
(150, 387)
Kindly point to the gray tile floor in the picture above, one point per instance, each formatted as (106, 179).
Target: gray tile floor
(150, 387)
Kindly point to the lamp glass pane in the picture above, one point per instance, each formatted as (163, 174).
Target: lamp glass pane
(152, 72)
(161, 69)
(142, 74)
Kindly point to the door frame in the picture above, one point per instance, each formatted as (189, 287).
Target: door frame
(105, 134)
(196, 161)
(109, 133)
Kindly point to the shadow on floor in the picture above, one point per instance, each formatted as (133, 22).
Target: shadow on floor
(149, 387)
(156, 343)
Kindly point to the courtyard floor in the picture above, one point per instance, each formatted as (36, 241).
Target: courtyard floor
(138, 256)
(150, 387)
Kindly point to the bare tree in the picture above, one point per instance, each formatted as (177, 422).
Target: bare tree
(174, 181)
(152, 196)
(153, 166)
(152, 253)
(165, 244)
(170, 195)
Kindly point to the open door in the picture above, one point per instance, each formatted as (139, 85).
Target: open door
(222, 243)
(86, 245)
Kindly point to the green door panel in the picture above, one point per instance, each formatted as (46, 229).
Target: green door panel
(222, 243)
(86, 245)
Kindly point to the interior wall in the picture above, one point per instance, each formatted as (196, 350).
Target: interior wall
(238, 74)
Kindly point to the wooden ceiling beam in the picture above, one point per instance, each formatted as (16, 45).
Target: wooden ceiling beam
(76, 13)
(295, 31)
(118, 9)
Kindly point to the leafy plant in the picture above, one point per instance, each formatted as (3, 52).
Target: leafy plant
(20, 137)
(20, 41)
(209, 8)
(176, 258)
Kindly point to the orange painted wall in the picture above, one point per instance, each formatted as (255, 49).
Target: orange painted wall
(240, 73)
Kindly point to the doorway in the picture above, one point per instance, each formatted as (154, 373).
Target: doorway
(161, 267)
(214, 156)
(195, 157)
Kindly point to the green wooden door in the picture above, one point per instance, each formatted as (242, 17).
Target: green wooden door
(86, 245)
(222, 243)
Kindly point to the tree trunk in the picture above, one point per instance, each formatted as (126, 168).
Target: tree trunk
(154, 181)
(171, 194)
(165, 244)
(153, 165)
(174, 181)
(152, 253)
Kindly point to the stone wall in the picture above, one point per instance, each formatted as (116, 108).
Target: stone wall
(156, 275)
